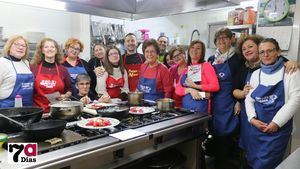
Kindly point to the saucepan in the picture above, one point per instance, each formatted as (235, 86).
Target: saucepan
(135, 98)
(22, 114)
(41, 130)
(66, 110)
(164, 104)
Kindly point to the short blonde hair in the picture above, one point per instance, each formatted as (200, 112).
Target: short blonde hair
(73, 41)
(39, 56)
(9, 43)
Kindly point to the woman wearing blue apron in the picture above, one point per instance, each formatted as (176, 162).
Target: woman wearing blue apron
(155, 80)
(16, 65)
(270, 107)
(224, 121)
(73, 63)
(199, 78)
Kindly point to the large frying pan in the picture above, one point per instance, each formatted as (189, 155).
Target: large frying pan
(118, 112)
(41, 130)
(25, 115)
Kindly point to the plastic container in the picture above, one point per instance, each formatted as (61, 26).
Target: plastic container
(249, 15)
(18, 101)
(231, 16)
(239, 16)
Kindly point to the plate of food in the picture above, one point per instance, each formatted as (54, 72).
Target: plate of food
(99, 105)
(139, 110)
(98, 123)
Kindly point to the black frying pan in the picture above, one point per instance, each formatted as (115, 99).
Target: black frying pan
(25, 115)
(41, 130)
(117, 112)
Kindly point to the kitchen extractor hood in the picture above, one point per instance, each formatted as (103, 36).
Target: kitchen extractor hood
(140, 9)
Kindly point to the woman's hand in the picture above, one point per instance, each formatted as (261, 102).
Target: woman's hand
(271, 128)
(105, 99)
(291, 66)
(246, 89)
(237, 108)
(189, 83)
(64, 97)
(195, 94)
(99, 71)
(258, 124)
(85, 100)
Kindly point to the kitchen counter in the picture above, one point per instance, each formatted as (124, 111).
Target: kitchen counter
(112, 152)
(291, 162)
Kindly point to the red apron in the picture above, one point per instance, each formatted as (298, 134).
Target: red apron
(46, 84)
(133, 73)
(113, 86)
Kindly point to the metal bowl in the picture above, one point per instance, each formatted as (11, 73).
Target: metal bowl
(165, 104)
(66, 110)
(135, 98)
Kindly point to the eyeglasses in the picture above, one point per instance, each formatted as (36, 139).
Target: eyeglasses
(177, 56)
(268, 51)
(112, 54)
(75, 49)
(222, 38)
(19, 45)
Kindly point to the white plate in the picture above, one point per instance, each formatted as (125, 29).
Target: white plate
(113, 122)
(100, 104)
(146, 110)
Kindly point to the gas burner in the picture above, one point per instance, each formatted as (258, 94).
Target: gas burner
(89, 133)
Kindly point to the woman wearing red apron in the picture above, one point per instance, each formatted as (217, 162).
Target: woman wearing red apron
(270, 107)
(50, 76)
(15, 75)
(155, 80)
(197, 79)
(114, 81)
(178, 55)
(132, 61)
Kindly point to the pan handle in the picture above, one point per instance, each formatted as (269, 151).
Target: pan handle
(12, 120)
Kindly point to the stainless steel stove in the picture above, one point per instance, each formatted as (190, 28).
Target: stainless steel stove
(98, 148)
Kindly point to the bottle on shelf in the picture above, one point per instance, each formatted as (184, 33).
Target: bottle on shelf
(18, 101)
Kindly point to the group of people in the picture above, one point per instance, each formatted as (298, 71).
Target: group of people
(251, 90)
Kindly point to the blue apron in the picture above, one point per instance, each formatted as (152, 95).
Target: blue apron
(23, 87)
(267, 150)
(224, 121)
(244, 123)
(74, 71)
(189, 103)
(148, 86)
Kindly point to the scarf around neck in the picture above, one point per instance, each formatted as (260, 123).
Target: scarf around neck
(221, 58)
(270, 69)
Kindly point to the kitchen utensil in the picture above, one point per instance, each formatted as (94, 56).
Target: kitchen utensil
(66, 110)
(135, 98)
(41, 130)
(136, 110)
(22, 114)
(113, 123)
(165, 104)
(117, 112)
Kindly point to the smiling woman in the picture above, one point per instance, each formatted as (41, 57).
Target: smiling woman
(15, 76)
(50, 75)
(278, 94)
(155, 80)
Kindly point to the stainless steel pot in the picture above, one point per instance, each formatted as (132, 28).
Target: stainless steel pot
(165, 104)
(135, 98)
(66, 110)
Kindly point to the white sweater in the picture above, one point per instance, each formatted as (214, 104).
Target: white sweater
(291, 92)
(8, 75)
(101, 81)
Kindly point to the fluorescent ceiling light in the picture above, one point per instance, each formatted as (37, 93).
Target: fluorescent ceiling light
(50, 4)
